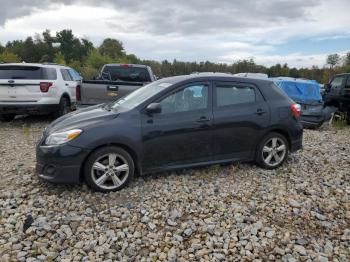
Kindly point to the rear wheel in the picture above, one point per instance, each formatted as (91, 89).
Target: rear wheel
(63, 108)
(109, 169)
(7, 117)
(272, 151)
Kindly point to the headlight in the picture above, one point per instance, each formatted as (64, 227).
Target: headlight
(62, 137)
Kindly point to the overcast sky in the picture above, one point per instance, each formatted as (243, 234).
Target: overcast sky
(298, 32)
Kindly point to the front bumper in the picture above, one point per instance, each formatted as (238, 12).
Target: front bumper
(60, 164)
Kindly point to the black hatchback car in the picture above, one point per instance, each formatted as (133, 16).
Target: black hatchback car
(177, 122)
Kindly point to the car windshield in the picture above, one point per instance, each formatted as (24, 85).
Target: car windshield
(337, 81)
(126, 73)
(140, 95)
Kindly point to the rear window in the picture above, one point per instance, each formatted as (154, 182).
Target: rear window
(49, 73)
(126, 73)
(27, 72)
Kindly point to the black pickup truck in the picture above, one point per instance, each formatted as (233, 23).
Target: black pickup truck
(337, 93)
(114, 82)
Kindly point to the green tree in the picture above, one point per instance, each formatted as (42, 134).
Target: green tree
(333, 60)
(347, 59)
(112, 48)
(71, 47)
(96, 60)
(59, 59)
(66, 40)
(8, 57)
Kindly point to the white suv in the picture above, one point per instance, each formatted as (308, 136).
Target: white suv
(37, 88)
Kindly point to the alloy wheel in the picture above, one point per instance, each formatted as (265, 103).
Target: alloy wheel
(110, 171)
(274, 151)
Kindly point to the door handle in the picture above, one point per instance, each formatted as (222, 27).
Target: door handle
(203, 119)
(67, 84)
(260, 111)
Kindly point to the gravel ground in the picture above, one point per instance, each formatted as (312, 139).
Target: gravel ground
(300, 212)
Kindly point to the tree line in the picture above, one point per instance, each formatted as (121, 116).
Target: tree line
(80, 53)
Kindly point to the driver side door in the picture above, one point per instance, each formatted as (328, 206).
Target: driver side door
(181, 134)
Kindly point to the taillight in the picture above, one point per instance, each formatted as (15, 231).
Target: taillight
(126, 65)
(78, 93)
(296, 110)
(45, 86)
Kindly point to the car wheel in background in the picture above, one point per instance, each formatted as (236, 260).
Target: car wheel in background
(63, 108)
(7, 117)
(109, 169)
(272, 151)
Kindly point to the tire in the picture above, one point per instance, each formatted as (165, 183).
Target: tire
(7, 117)
(64, 107)
(101, 169)
(272, 151)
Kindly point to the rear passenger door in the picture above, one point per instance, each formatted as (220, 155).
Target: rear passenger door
(69, 83)
(240, 114)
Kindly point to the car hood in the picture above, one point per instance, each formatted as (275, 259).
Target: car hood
(80, 119)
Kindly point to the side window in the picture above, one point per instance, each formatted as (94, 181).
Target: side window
(49, 73)
(337, 81)
(75, 75)
(233, 94)
(65, 75)
(191, 98)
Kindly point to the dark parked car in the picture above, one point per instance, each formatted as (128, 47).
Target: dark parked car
(337, 93)
(178, 122)
(307, 94)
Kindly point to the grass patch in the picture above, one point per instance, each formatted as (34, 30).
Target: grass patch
(340, 120)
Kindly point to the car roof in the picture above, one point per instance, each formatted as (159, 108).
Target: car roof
(343, 74)
(213, 76)
(131, 65)
(49, 65)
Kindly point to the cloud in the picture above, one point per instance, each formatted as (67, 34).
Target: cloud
(17, 8)
(183, 16)
(221, 31)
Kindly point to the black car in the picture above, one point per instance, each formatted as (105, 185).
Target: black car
(177, 122)
(337, 93)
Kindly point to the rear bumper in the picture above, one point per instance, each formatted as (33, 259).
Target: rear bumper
(316, 119)
(60, 164)
(28, 108)
(312, 121)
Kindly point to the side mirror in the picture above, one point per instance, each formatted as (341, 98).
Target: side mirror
(154, 108)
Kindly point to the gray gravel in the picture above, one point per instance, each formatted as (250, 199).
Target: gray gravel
(300, 212)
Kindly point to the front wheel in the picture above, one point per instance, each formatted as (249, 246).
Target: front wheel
(272, 151)
(109, 169)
